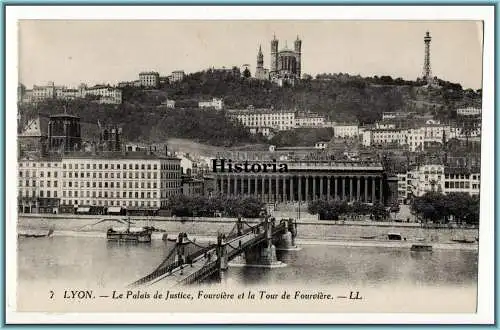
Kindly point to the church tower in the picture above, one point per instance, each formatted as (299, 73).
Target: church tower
(298, 56)
(260, 59)
(274, 55)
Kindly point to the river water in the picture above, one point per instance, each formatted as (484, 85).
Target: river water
(93, 262)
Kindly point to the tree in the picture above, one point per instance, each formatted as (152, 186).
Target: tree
(247, 73)
(379, 212)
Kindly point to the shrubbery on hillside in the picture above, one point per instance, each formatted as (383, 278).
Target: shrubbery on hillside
(151, 124)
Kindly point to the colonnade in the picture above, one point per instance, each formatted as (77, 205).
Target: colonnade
(366, 188)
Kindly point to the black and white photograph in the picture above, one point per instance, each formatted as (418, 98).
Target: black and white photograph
(243, 165)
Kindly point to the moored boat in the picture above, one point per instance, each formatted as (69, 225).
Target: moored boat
(35, 234)
(130, 234)
(463, 240)
(394, 236)
(421, 248)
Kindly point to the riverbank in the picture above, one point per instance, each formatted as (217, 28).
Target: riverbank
(311, 232)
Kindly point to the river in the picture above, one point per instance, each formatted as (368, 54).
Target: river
(93, 262)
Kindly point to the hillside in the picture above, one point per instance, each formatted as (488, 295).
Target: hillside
(340, 97)
(147, 123)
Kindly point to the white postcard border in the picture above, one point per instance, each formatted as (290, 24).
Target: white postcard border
(485, 306)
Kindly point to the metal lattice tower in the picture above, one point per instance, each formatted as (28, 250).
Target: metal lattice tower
(427, 72)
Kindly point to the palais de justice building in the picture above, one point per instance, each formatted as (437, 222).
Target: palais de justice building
(364, 181)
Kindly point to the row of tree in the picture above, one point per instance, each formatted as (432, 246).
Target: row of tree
(440, 208)
(333, 209)
(201, 206)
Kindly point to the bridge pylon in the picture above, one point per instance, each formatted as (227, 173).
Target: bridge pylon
(239, 226)
(268, 251)
(181, 253)
(287, 239)
(222, 256)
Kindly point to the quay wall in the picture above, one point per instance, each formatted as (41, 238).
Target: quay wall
(321, 230)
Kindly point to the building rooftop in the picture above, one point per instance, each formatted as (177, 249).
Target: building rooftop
(64, 115)
(461, 170)
(117, 155)
(257, 111)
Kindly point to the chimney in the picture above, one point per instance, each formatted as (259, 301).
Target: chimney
(166, 150)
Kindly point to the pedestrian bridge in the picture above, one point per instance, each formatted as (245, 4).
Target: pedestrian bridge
(189, 262)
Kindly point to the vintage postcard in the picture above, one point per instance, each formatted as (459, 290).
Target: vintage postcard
(242, 165)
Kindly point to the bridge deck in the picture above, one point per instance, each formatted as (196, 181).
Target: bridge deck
(178, 276)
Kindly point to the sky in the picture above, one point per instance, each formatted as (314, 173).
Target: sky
(69, 52)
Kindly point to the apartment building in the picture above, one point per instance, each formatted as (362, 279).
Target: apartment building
(469, 111)
(346, 130)
(177, 75)
(445, 179)
(310, 120)
(388, 136)
(105, 94)
(215, 103)
(131, 180)
(149, 79)
(427, 178)
(462, 180)
(264, 118)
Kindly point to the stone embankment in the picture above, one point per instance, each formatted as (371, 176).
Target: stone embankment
(309, 232)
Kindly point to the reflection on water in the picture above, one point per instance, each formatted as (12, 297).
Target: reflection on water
(97, 262)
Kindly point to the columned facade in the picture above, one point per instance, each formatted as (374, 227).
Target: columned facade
(303, 186)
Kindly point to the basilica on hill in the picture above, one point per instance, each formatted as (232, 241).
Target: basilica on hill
(285, 63)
